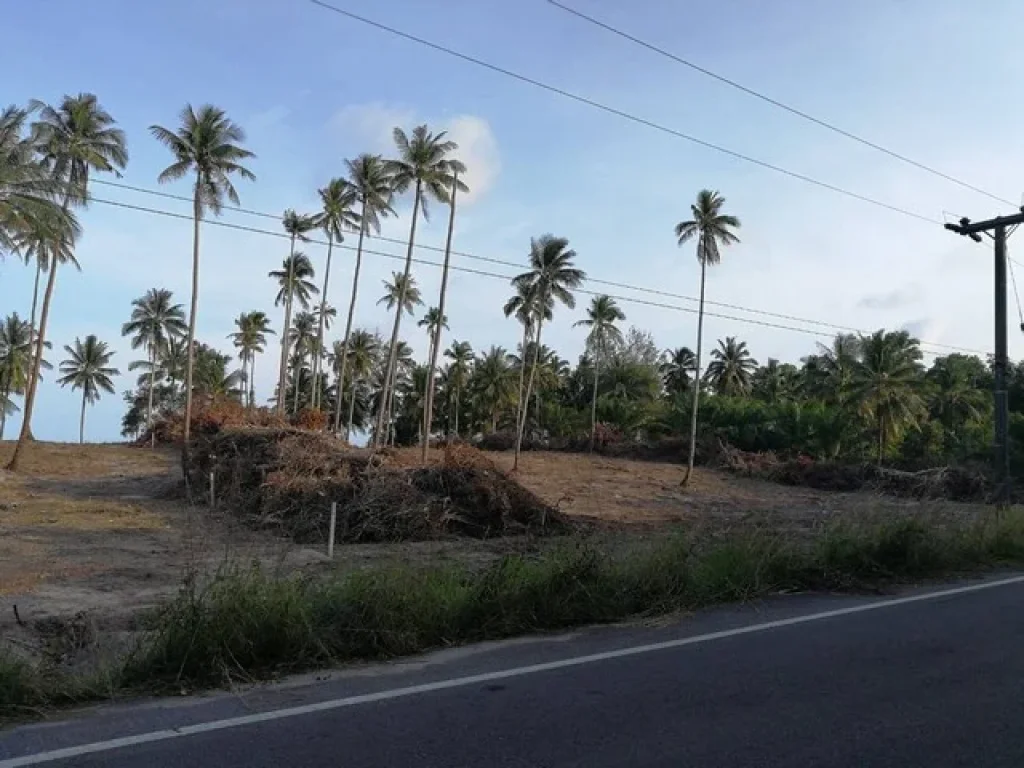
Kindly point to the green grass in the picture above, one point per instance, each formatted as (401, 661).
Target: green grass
(247, 624)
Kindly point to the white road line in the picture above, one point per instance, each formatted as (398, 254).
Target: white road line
(504, 674)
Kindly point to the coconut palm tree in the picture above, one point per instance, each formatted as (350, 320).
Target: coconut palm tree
(295, 279)
(492, 382)
(251, 339)
(731, 367)
(88, 369)
(370, 176)
(15, 362)
(602, 314)
(886, 384)
(401, 289)
(362, 349)
(432, 320)
(677, 369)
(74, 140)
(297, 226)
(712, 230)
(456, 168)
(461, 355)
(956, 397)
(173, 363)
(775, 382)
(424, 164)
(207, 144)
(27, 191)
(302, 339)
(212, 378)
(832, 372)
(524, 305)
(553, 277)
(155, 320)
(337, 215)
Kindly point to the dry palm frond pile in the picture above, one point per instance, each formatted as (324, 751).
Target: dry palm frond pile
(286, 479)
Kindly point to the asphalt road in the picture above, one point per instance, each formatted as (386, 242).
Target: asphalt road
(929, 681)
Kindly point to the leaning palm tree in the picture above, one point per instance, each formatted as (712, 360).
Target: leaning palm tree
(208, 144)
(602, 314)
(74, 140)
(88, 369)
(296, 226)
(732, 368)
(295, 279)
(553, 277)
(251, 339)
(370, 176)
(712, 229)
(461, 355)
(524, 305)
(337, 215)
(456, 167)
(155, 321)
(424, 165)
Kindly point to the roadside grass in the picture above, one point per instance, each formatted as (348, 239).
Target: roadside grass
(246, 623)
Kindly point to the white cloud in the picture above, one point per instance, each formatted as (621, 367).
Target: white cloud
(370, 126)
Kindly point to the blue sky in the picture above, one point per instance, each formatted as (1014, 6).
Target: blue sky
(312, 88)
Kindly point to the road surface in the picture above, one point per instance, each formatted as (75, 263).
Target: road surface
(926, 678)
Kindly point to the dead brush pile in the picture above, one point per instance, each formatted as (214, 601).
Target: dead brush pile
(952, 483)
(285, 479)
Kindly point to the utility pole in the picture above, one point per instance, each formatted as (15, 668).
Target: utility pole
(996, 228)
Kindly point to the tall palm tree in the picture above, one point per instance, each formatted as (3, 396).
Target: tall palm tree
(731, 367)
(337, 215)
(295, 279)
(602, 315)
(207, 144)
(74, 140)
(525, 306)
(712, 230)
(553, 277)
(88, 369)
(424, 165)
(302, 339)
(886, 384)
(155, 320)
(677, 369)
(432, 320)
(492, 382)
(251, 339)
(370, 176)
(461, 355)
(297, 226)
(456, 167)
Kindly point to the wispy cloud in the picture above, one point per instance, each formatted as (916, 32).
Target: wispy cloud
(895, 299)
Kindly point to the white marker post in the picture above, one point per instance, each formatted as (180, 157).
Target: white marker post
(213, 498)
(330, 535)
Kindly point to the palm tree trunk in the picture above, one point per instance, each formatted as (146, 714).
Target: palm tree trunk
(522, 373)
(348, 326)
(320, 331)
(529, 387)
(189, 364)
(696, 375)
(252, 380)
(149, 408)
(593, 403)
(35, 301)
(390, 369)
(4, 403)
(37, 359)
(81, 420)
(429, 417)
(881, 440)
(351, 406)
(458, 405)
(298, 382)
(282, 378)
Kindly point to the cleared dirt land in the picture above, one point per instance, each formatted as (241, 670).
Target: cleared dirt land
(104, 530)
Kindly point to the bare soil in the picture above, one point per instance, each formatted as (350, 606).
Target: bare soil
(103, 531)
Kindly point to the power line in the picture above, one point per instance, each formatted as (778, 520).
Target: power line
(484, 273)
(478, 257)
(776, 103)
(623, 114)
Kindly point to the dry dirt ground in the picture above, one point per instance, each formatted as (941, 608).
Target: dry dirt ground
(104, 528)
